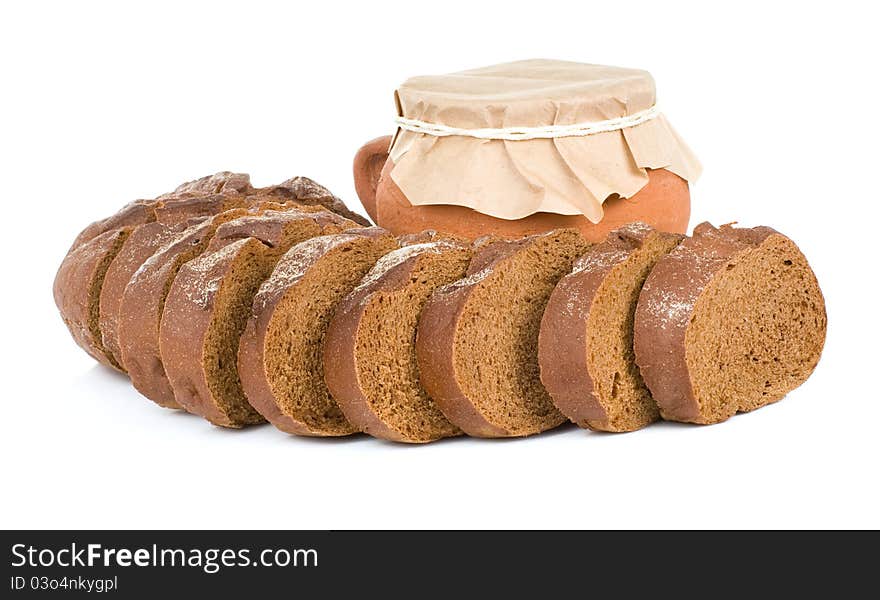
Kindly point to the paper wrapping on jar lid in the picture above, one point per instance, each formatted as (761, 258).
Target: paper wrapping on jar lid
(511, 179)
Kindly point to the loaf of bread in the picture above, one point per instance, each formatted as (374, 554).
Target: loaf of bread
(477, 342)
(585, 347)
(369, 353)
(730, 321)
(210, 301)
(246, 304)
(280, 360)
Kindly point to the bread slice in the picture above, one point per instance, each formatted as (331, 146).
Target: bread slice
(369, 352)
(585, 346)
(77, 290)
(730, 321)
(477, 342)
(280, 359)
(210, 302)
(143, 242)
(143, 301)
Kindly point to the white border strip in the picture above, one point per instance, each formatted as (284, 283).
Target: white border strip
(530, 133)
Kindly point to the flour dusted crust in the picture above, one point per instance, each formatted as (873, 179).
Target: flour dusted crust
(310, 193)
(252, 359)
(191, 308)
(213, 194)
(130, 215)
(392, 273)
(668, 309)
(222, 182)
(269, 225)
(144, 211)
(565, 351)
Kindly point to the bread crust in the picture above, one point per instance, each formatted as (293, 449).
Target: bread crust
(131, 215)
(666, 306)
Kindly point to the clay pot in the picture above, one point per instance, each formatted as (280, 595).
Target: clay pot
(663, 203)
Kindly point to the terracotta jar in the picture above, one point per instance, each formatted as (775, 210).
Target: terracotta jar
(474, 186)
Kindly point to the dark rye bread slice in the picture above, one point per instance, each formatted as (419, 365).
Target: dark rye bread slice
(730, 321)
(477, 341)
(280, 358)
(585, 346)
(143, 301)
(143, 242)
(210, 302)
(370, 362)
(77, 290)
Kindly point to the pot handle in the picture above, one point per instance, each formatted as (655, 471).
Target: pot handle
(368, 163)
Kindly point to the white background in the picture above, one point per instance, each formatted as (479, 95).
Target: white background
(102, 103)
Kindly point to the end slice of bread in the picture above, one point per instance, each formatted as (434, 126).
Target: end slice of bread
(77, 291)
(730, 321)
(477, 342)
(586, 343)
(369, 352)
(281, 352)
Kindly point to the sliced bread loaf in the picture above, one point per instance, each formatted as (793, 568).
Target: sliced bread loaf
(143, 301)
(731, 320)
(585, 346)
(477, 342)
(210, 302)
(280, 359)
(369, 353)
(77, 291)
